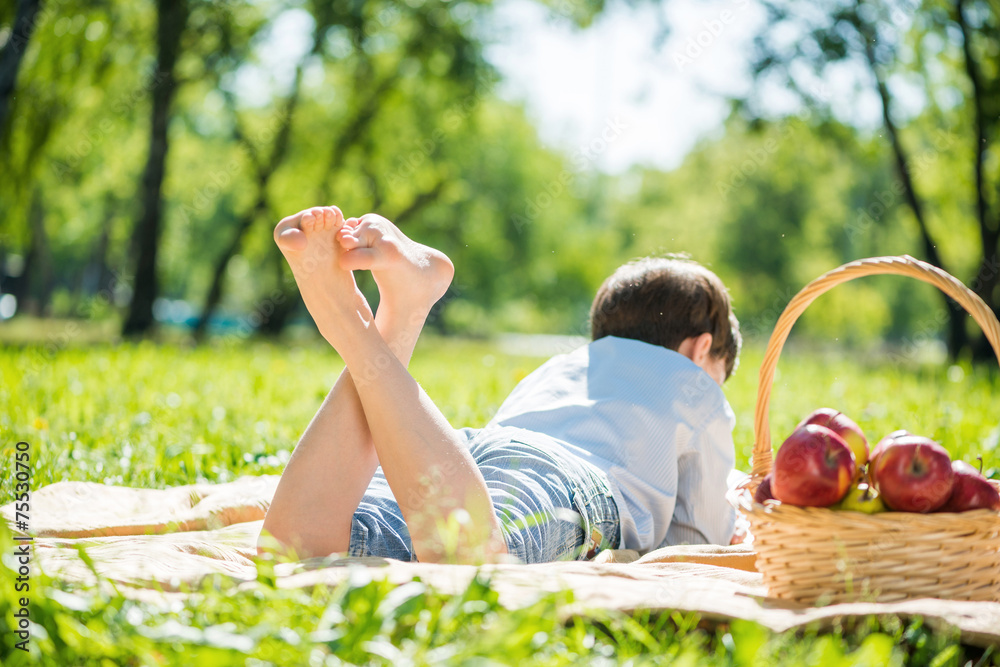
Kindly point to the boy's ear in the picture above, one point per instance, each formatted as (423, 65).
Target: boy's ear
(702, 348)
(697, 348)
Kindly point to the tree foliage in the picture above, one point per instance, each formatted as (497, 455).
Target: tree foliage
(949, 53)
(378, 106)
(392, 107)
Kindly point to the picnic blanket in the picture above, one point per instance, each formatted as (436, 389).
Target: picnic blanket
(158, 543)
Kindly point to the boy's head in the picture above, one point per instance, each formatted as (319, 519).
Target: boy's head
(674, 302)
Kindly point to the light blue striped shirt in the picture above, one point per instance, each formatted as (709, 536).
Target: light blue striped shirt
(653, 421)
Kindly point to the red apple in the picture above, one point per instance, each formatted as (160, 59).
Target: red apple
(813, 468)
(843, 426)
(879, 448)
(913, 474)
(763, 491)
(971, 491)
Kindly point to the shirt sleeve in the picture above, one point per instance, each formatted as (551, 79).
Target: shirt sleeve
(702, 514)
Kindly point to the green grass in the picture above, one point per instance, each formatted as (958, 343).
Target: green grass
(155, 416)
(372, 622)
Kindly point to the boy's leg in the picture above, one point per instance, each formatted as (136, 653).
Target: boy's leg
(426, 463)
(334, 460)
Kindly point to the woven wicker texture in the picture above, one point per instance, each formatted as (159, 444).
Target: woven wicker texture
(822, 555)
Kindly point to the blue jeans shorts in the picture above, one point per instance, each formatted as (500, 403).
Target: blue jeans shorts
(551, 504)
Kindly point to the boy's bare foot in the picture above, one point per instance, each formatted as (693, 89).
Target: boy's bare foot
(308, 240)
(411, 277)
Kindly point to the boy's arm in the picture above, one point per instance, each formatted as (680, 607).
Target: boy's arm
(703, 515)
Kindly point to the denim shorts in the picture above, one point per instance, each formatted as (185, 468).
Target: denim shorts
(551, 505)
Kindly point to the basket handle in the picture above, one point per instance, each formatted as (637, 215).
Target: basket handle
(901, 265)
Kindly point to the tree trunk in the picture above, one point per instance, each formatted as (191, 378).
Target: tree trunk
(12, 52)
(273, 322)
(38, 267)
(353, 132)
(97, 275)
(16, 284)
(172, 17)
(988, 275)
(264, 173)
(272, 325)
(219, 273)
(958, 338)
(421, 201)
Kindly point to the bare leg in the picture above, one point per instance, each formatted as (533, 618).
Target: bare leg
(429, 469)
(335, 454)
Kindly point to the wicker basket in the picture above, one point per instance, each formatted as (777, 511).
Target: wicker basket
(818, 555)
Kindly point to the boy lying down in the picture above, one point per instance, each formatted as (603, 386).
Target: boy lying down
(624, 443)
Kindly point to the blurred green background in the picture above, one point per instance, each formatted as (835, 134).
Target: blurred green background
(148, 148)
(141, 174)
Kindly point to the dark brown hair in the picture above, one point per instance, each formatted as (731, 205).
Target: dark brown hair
(665, 300)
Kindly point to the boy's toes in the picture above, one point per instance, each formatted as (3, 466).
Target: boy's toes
(308, 220)
(334, 217)
(292, 240)
(351, 226)
(348, 239)
(324, 221)
(288, 235)
(360, 259)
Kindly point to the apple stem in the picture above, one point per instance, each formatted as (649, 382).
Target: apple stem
(980, 459)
